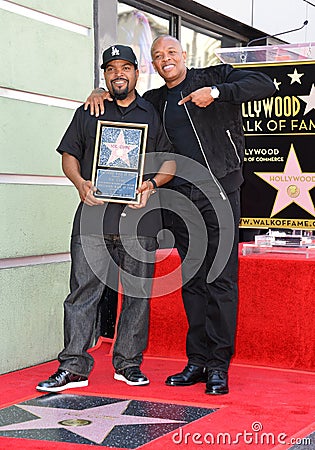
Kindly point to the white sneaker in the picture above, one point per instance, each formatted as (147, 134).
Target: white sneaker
(131, 376)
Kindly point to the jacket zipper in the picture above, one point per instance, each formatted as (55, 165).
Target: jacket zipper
(203, 153)
(164, 112)
(234, 146)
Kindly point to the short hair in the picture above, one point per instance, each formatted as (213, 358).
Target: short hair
(165, 36)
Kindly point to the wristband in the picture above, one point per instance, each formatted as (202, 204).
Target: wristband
(153, 182)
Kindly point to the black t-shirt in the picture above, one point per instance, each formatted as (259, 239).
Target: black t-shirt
(79, 141)
(182, 136)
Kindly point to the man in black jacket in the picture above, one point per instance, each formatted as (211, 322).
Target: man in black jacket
(201, 112)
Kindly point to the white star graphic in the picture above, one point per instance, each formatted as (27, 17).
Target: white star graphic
(119, 149)
(277, 84)
(96, 423)
(309, 100)
(295, 77)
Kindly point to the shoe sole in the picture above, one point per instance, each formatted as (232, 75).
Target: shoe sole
(119, 377)
(73, 385)
(171, 383)
(217, 393)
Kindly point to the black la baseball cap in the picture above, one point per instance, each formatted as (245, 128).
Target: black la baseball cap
(119, 52)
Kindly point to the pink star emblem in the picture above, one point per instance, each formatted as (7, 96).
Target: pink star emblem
(119, 149)
(292, 184)
(92, 423)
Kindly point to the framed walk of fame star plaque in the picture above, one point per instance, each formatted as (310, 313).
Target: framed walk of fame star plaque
(119, 160)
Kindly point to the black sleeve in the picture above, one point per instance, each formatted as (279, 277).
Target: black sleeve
(72, 140)
(240, 85)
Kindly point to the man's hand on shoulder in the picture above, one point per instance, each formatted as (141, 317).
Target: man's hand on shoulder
(96, 101)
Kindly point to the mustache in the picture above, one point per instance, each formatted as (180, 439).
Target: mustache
(118, 92)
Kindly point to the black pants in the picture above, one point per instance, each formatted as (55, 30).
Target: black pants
(210, 304)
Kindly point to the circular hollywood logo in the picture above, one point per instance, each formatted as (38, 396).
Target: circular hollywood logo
(293, 191)
(75, 422)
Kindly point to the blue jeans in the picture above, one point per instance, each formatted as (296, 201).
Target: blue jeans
(93, 259)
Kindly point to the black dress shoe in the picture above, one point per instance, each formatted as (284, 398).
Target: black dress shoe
(217, 383)
(61, 380)
(190, 375)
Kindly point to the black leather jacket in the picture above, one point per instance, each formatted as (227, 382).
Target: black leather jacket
(219, 127)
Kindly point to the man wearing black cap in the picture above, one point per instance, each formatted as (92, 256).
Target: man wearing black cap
(121, 53)
(109, 233)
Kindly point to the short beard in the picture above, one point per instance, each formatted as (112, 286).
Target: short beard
(120, 94)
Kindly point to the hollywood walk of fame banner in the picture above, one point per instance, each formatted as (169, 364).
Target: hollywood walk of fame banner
(279, 166)
(119, 161)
